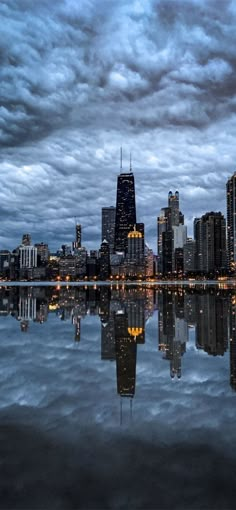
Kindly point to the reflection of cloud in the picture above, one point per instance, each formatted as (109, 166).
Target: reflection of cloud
(78, 80)
(60, 420)
(78, 472)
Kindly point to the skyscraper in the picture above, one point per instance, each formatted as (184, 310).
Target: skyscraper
(170, 229)
(210, 236)
(231, 220)
(108, 225)
(26, 240)
(135, 255)
(173, 203)
(104, 260)
(125, 209)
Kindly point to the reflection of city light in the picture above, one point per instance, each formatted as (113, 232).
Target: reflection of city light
(135, 331)
(52, 307)
(233, 300)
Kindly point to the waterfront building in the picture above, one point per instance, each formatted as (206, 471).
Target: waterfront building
(189, 251)
(43, 252)
(149, 261)
(171, 234)
(92, 264)
(231, 220)
(81, 260)
(210, 237)
(135, 255)
(28, 257)
(104, 261)
(5, 257)
(163, 226)
(108, 225)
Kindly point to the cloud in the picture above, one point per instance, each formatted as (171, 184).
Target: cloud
(79, 80)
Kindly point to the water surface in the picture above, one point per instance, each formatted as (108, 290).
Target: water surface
(118, 397)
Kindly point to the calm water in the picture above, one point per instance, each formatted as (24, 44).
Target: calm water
(118, 398)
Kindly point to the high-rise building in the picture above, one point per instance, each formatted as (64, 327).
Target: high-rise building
(163, 225)
(28, 257)
(198, 238)
(78, 236)
(104, 261)
(210, 232)
(149, 261)
(108, 225)
(189, 251)
(231, 220)
(26, 240)
(42, 251)
(125, 210)
(173, 203)
(171, 233)
(135, 255)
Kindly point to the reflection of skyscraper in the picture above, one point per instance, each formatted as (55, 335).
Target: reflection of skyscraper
(76, 320)
(136, 318)
(108, 351)
(108, 225)
(232, 343)
(107, 325)
(212, 323)
(126, 349)
(125, 210)
(27, 307)
(172, 329)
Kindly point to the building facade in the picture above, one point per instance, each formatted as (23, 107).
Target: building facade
(231, 220)
(210, 237)
(125, 210)
(108, 225)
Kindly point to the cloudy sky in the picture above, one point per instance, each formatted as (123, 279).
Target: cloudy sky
(80, 78)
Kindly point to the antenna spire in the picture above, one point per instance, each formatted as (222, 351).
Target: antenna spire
(121, 160)
(130, 164)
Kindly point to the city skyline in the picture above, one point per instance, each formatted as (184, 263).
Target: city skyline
(80, 80)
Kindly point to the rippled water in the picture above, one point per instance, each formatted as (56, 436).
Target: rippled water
(118, 398)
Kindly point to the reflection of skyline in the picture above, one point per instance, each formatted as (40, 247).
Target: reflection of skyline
(212, 324)
(232, 343)
(123, 312)
(172, 329)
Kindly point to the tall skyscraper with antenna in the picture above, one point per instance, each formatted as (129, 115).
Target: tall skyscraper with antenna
(125, 207)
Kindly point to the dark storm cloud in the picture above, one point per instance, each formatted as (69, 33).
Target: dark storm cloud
(78, 79)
